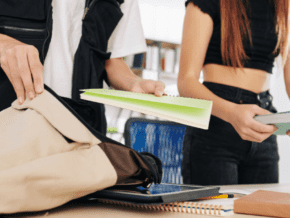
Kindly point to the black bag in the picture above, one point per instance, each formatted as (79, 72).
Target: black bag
(99, 21)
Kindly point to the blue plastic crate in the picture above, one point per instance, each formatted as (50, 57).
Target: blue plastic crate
(161, 138)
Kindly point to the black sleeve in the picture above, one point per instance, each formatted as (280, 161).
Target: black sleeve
(211, 7)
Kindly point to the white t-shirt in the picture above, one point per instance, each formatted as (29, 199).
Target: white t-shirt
(127, 39)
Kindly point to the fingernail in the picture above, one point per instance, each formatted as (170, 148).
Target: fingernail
(39, 89)
(31, 95)
(20, 100)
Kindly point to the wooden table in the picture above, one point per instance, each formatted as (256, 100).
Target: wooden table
(93, 210)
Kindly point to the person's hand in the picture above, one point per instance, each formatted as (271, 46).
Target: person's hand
(22, 66)
(148, 87)
(242, 119)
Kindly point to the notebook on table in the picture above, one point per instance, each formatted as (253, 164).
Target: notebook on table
(264, 203)
(188, 111)
(208, 207)
(167, 197)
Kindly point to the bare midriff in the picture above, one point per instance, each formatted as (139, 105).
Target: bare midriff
(246, 78)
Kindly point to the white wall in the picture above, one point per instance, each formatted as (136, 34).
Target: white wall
(163, 20)
(281, 102)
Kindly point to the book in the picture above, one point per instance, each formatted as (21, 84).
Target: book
(264, 203)
(280, 120)
(188, 111)
(217, 207)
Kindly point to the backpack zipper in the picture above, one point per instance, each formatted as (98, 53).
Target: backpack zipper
(87, 7)
(89, 4)
(22, 29)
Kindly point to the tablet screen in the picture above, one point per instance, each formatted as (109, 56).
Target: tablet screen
(158, 189)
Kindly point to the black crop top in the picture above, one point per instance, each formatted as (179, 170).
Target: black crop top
(264, 37)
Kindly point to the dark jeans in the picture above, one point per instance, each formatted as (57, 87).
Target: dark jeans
(219, 156)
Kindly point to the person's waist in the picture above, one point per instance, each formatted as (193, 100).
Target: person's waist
(245, 78)
(239, 95)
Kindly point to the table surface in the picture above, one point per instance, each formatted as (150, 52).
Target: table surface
(92, 209)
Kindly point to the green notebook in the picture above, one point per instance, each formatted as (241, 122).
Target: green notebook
(281, 120)
(188, 111)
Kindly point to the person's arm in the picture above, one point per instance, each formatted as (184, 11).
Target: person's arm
(197, 32)
(22, 65)
(287, 78)
(127, 39)
(287, 74)
(121, 77)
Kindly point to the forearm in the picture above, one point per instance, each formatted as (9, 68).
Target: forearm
(287, 76)
(120, 75)
(191, 87)
(287, 85)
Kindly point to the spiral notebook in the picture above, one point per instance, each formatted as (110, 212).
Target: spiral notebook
(188, 111)
(167, 197)
(217, 207)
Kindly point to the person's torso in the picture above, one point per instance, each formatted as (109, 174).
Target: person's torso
(256, 73)
(264, 39)
(31, 23)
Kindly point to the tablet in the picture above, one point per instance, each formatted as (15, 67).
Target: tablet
(156, 194)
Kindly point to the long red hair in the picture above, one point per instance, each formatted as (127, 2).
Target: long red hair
(235, 30)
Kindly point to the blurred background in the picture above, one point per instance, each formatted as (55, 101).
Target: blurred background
(162, 22)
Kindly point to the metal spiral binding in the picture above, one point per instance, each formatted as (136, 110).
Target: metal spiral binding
(185, 97)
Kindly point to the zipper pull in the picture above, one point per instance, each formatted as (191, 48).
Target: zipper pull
(85, 13)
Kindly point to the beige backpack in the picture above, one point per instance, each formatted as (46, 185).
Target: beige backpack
(50, 155)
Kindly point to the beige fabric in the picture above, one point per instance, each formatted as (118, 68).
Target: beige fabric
(39, 169)
(65, 122)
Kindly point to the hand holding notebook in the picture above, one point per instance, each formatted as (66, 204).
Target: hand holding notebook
(188, 111)
(280, 120)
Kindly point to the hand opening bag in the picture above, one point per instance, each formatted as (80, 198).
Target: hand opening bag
(50, 155)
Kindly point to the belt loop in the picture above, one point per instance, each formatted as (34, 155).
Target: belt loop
(258, 100)
(238, 96)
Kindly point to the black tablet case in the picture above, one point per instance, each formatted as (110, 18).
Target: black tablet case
(129, 195)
